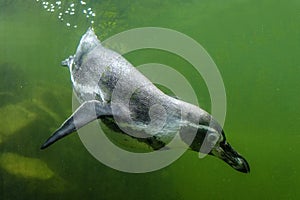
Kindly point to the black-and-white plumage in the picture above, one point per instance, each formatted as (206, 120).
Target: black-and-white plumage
(109, 87)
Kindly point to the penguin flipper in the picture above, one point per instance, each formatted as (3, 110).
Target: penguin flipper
(87, 112)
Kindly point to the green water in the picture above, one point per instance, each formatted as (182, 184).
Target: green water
(255, 45)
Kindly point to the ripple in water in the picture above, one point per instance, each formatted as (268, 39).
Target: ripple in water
(66, 10)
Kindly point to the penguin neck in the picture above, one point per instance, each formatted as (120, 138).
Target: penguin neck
(196, 117)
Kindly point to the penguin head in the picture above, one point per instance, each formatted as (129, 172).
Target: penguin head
(211, 140)
(223, 150)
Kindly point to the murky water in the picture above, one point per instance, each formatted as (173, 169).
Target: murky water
(255, 45)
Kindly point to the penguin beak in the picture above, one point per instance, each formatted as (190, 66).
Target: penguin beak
(231, 157)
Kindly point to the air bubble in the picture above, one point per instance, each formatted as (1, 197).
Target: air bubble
(68, 9)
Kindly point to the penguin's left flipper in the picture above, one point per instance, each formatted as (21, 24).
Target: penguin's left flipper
(87, 112)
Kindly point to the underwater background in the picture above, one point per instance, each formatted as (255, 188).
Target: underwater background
(256, 46)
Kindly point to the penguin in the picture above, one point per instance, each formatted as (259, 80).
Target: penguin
(109, 88)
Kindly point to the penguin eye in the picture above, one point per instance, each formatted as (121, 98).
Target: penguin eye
(213, 137)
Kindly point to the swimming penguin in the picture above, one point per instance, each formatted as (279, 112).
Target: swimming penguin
(111, 89)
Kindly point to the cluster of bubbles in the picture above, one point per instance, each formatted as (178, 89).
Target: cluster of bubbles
(66, 11)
